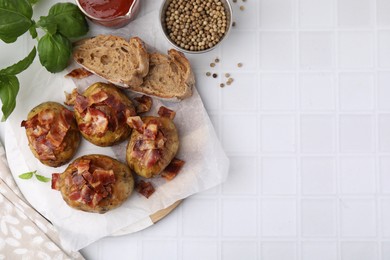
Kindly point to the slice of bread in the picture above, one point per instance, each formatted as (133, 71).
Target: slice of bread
(123, 63)
(170, 77)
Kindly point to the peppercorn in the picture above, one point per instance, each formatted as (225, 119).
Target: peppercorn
(196, 25)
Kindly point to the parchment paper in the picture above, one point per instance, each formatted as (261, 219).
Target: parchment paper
(206, 163)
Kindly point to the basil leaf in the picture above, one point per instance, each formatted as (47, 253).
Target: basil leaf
(48, 23)
(27, 175)
(15, 19)
(54, 52)
(21, 65)
(9, 88)
(42, 178)
(70, 20)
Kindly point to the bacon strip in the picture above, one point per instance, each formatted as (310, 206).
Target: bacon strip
(79, 73)
(151, 130)
(104, 176)
(81, 103)
(96, 122)
(172, 169)
(151, 157)
(166, 112)
(70, 98)
(98, 97)
(145, 188)
(144, 104)
(136, 123)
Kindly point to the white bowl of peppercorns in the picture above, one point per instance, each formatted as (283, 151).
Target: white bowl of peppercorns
(196, 26)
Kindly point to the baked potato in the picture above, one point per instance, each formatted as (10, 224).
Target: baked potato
(94, 183)
(101, 113)
(153, 144)
(52, 133)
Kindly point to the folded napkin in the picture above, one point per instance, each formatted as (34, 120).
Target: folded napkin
(23, 231)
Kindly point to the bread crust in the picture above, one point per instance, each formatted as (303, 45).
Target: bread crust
(170, 77)
(123, 63)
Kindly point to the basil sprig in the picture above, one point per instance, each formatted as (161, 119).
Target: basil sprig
(29, 175)
(63, 22)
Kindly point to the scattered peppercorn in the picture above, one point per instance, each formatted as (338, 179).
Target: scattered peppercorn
(216, 60)
(215, 75)
(234, 24)
(196, 25)
(221, 85)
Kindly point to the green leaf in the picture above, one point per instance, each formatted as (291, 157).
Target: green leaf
(54, 52)
(9, 88)
(27, 175)
(48, 23)
(70, 20)
(42, 178)
(21, 65)
(15, 19)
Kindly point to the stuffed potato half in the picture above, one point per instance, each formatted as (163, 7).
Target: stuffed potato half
(52, 133)
(152, 148)
(94, 183)
(101, 113)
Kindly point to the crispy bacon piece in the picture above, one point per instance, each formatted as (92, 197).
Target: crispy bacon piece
(87, 177)
(81, 103)
(44, 151)
(87, 194)
(136, 123)
(151, 130)
(96, 122)
(75, 195)
(160, 140)
(97, 197)
(96, 98)
(151, 157)
(79, 73)
(78, 179)
(143, 145)
(166, 112)
(46, 117)
(145, 188)
(172, 169)
(144, 104)
(104, 176)
(58, 132)
(70, 98)
(82, 166)
(55, 181)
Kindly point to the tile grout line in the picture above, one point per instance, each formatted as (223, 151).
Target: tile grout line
(376, 136)
(297, 128)
(337, 132)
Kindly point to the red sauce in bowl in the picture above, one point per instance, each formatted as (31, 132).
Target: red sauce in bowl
(106, 8)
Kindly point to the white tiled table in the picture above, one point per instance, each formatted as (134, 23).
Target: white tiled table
(306, 125)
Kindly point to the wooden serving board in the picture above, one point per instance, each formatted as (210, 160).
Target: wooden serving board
(164, 212)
